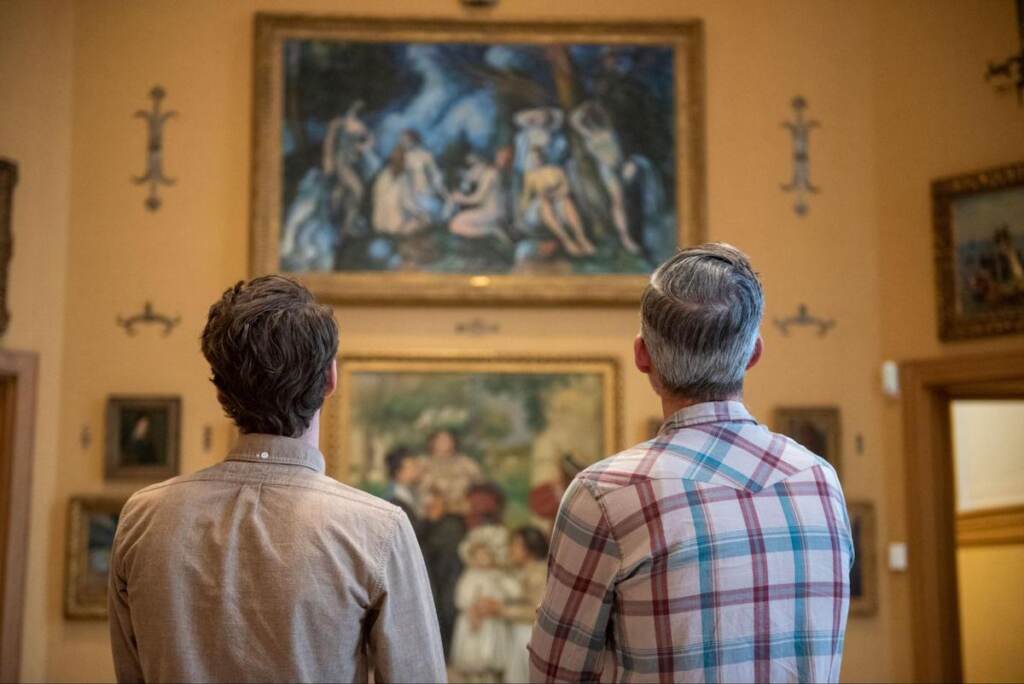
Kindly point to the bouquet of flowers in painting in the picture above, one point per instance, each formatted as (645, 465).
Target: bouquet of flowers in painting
(470, 158)
(478, 455)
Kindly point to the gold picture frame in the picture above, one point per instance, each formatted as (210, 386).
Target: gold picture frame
(526, 286)
(864, 574)
(143, 437)
(817, 428)
(979, 253)
(90, 533)
(339, 407)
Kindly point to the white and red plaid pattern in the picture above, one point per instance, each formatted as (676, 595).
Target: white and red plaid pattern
(718, 551)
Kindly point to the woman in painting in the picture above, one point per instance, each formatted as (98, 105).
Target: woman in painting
(594, 126)
(528, 554)
(449, 472)
(348, 147)
(538, 127)
(482, 212)
(480, 642)
(440, 533)
(425, 178)
(394, 207)
(546, 195)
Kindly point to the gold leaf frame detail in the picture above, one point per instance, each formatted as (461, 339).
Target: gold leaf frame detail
(953, 325)
(338, 407)
(687, 40)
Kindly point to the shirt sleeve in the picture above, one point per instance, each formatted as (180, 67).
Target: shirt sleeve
(122, 636)
(405, 640)
(570, 636)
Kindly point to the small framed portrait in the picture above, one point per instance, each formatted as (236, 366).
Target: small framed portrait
(863, 574)
(92, 522)
(814, 427)
(143, 437)
(979, 253)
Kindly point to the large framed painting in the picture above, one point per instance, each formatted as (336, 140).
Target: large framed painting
(478, 452)
(92, 522)
(979, 253)
(864, 573)
(814, 427)
(461, 162)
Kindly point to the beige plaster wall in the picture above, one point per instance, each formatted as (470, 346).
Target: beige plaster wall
(935, 116)
(759, 55)
(35, 131)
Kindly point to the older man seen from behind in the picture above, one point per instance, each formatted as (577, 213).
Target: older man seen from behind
(717, 551)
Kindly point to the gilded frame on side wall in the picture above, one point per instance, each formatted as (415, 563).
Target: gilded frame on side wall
(8, 179)
(85, 587)
(338, 410)
(815, 427)
(406, 286)
(865, 569)
(977, 273)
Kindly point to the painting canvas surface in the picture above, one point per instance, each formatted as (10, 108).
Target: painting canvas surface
(449, 157)
(988, 235)
(479, 460)
(144, 436)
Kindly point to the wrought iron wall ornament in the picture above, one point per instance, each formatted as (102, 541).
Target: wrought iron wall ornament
(1009, 74)
(477, 327)
(154, 176)
(800, 130)
(804, 318)
(148, 316)
(8, 179)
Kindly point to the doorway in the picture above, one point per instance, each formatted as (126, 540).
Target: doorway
(17, 425)
(936, 394)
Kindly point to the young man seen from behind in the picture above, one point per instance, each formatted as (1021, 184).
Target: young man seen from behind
(262, 568)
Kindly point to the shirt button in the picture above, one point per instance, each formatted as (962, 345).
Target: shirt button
(264, 454)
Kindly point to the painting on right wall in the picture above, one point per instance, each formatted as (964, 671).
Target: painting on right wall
(979, 253)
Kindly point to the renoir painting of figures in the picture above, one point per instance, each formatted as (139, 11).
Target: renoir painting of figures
(979, 223)
(478, 453)
(452, 161)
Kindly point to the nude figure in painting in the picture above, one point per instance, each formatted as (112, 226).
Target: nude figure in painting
(546, 188)
(594, 125)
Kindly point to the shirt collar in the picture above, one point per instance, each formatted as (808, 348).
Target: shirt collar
(258, 448)
(707, 412)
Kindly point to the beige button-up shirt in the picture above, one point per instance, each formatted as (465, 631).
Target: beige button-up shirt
(261, 568)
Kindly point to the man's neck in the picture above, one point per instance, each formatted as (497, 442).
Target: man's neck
(671, 404)
(312, 435)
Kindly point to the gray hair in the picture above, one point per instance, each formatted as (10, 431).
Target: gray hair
(699, 319)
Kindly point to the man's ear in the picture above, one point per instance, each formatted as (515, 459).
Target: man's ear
(758, 351)
(641, 357)
(332, 379)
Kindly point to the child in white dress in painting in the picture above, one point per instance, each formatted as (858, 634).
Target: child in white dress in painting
(480, 642)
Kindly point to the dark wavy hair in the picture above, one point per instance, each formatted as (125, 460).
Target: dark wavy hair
(534, 540)
(270, 346)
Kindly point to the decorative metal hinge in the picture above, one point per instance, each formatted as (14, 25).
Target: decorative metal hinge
(802, 318)
(154, 175)
(147, 317)
(800, 130)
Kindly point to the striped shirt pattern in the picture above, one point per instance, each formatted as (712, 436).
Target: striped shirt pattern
(718, 551)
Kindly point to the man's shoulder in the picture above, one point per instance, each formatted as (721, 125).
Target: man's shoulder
(182, 489)
(622, 469)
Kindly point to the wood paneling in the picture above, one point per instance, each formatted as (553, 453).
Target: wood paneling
(18, 405)
(928, 388)
(995, 526)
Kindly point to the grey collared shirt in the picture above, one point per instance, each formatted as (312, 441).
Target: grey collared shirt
(262, 568)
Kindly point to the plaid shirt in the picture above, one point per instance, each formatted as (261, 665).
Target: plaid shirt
(718, 551)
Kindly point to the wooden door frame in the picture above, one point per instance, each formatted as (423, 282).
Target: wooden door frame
(22, 367)
(927, 388)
